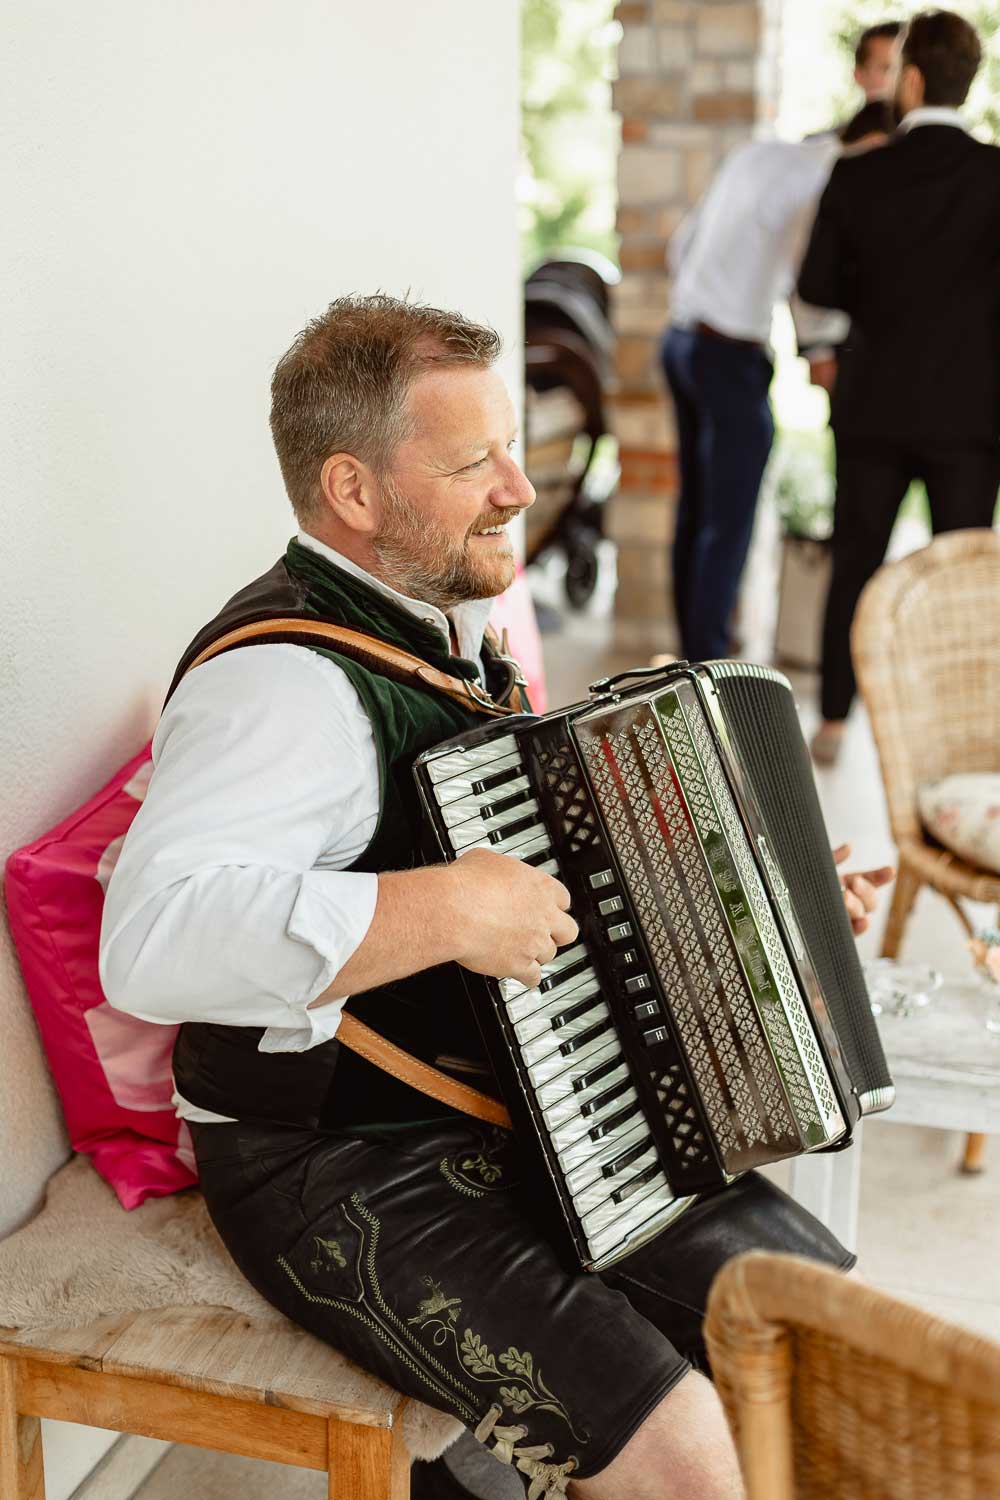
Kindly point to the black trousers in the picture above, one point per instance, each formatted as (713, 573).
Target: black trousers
(724, 433)
(416, 1253)
(872, 478)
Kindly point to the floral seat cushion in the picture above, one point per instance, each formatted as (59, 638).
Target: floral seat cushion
(963, 813)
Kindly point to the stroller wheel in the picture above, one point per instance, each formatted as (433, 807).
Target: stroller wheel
(581, 572)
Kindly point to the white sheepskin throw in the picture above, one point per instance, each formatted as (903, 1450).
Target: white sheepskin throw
(83, 1257)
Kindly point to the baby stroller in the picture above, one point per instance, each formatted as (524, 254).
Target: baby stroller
(569, 351)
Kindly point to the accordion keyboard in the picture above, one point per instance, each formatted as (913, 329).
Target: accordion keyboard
(567, 1049)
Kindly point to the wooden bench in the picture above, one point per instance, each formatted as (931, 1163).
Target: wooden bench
(207, 1377)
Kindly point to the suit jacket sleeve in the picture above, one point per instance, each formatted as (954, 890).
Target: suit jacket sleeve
(825, 277)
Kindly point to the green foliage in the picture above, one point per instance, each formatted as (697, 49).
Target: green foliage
(569, 133)
(983, 105)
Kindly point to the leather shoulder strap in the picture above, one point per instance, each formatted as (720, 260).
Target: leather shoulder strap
(419, 1075)
(393, 662)
(378, 656)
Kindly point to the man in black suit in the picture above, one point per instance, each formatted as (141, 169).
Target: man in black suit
(907, 241)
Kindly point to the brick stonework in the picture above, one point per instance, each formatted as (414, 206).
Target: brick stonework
(696, 78)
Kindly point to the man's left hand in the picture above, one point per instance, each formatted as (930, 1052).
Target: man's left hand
(860, 889)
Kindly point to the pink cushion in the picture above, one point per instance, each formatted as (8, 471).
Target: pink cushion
(112, 1071)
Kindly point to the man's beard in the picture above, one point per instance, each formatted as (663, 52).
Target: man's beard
(423, 561)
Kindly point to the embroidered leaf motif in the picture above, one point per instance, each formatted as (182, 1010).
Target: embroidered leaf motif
(487, 1170)
(476, 1356)
(518, 1364)
(516, 1397)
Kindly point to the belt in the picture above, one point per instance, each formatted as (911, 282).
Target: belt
(727, 338)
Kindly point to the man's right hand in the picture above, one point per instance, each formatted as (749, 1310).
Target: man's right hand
(513, 917)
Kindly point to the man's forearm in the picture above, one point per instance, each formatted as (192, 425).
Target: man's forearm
(416, 925)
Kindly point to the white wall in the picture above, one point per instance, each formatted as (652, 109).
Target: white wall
(183, 185)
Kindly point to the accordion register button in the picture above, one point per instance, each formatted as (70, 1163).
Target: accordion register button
(637, 984)
(647, 1011)
(609, 906)
(602, 878)
(619, 930)
(655, 1035)
(625, 958)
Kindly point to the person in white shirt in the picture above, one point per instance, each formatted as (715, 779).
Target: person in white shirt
(272, 884)
(734, 257)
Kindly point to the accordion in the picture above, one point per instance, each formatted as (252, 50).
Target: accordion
(712, 1015)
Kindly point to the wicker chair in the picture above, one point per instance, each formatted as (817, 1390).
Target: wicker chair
(926, 645)
(836, 1391)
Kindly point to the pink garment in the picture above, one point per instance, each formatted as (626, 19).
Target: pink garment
(515, 613)
(112, 1071)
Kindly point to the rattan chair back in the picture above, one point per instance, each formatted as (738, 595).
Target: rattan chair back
(926, 645)
(836, 1391)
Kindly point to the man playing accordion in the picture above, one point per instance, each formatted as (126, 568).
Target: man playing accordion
(274, 874)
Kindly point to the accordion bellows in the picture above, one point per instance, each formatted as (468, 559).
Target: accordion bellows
(712, 1015)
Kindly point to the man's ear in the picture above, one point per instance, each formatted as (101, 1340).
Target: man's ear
(350, 492)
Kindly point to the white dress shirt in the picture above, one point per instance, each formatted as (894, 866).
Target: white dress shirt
(231, 901)
(932, 114)
(738, 252)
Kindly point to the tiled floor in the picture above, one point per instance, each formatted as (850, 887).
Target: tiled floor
(926, 1232)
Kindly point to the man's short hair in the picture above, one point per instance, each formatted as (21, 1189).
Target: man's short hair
(946, 50)
(342, 386)
(887, 30)
(876, 118)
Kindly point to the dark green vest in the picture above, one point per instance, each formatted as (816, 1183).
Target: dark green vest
(219, 1067)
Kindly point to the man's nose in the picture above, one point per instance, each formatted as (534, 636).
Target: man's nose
(517, 486)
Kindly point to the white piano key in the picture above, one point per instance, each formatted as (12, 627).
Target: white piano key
(511, 988)
(532, 1001)
(466, 808)
(478, 830)
(609, 1226)
(535, 1052)
(459, 762)
(533, 845)
(582, 1163)
(570, 1106)
(462, 785)
(540, 1020)
(554, 1078)
(578, 1128)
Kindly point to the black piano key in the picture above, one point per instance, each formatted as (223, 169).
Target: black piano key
(575, 1011)
(611, 1124)
(613, 1168)
(497, 779)
(494, 809)
(577, 1043)
(540, 858)
(595, 1105)
(596, 1074)
(564, 974)
(628, 1188)
(519, 825)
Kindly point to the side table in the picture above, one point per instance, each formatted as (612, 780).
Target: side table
(946, 1067)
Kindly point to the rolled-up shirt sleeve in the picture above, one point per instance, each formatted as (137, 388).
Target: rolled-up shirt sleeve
(231, 901)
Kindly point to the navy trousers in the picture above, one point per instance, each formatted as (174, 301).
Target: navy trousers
(725, 430)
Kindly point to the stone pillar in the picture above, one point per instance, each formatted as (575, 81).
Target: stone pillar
(696, 78)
